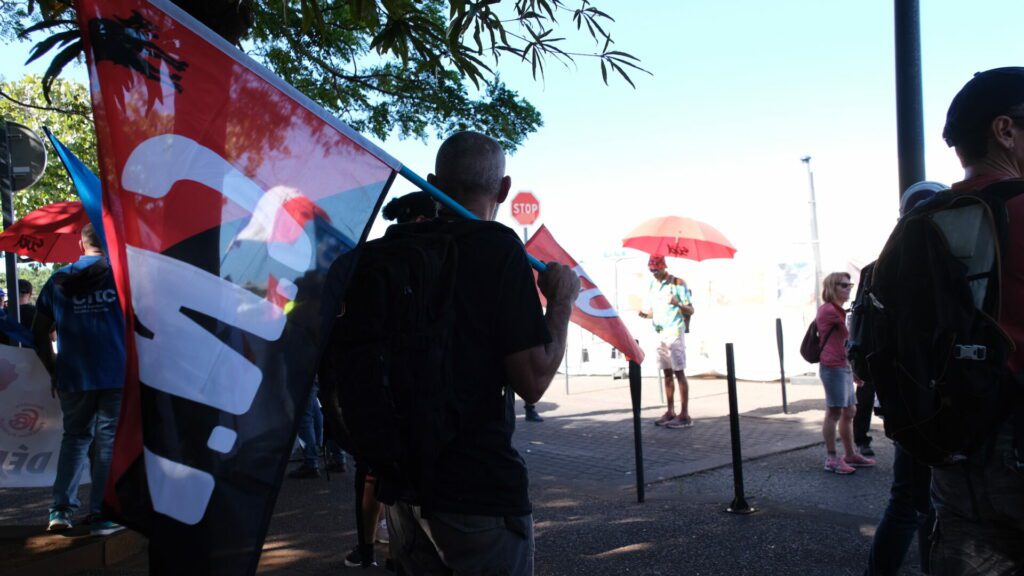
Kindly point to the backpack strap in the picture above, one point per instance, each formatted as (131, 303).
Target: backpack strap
(825, 341)
(997, 195)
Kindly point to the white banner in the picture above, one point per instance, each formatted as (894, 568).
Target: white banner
(30, 421)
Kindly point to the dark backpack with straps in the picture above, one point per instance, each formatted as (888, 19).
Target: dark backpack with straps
(386, 376)
(812, 345)
(928, 336)
(860, 341)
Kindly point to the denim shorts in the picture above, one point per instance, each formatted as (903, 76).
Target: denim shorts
(839, 390)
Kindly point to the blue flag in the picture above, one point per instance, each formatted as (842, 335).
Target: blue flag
(15, 332)
(86, 184)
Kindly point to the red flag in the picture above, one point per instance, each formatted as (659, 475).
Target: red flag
(592, 310)
(231, 205)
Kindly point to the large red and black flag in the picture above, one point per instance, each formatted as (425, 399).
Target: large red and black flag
(231, 203)
(591, 310)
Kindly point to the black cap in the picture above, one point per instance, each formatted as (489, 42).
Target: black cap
(987, 95)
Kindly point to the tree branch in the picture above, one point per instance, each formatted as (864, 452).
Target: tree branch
(81, 113)
(361, 79)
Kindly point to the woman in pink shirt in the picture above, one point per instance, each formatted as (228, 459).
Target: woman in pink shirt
(840, 396)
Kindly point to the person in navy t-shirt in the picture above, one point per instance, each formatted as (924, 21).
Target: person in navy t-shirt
(86, 373)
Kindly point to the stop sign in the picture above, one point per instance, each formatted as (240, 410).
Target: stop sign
(525, 208)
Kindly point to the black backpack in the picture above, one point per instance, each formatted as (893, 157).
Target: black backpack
(860, 341)
(927, 334)
(386, 376)
(812, 345)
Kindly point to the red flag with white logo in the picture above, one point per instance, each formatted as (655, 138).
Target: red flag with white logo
(591, 310)
(231, 205)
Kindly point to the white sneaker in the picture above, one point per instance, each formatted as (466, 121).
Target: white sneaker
(382, 532)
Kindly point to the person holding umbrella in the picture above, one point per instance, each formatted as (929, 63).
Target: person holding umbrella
(670, 311)
(671, 307)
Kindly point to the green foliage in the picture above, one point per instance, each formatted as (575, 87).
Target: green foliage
(385, 66)
(70, 119)
(35, 273)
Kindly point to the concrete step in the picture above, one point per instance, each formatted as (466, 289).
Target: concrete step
(33, 550)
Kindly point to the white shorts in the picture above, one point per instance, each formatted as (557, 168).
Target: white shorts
(672, 354)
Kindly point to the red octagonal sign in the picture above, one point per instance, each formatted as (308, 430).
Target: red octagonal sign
(525, 208)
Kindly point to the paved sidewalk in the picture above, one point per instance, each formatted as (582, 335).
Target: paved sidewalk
(583, 487)
(588, 436)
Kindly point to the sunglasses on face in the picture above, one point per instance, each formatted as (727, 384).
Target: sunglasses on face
(845, 284)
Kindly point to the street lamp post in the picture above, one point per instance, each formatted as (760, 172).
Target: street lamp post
(814, 233)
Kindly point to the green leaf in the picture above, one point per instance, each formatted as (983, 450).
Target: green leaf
(622, 73)
(364, 13)
(46, 44)
(45, 25)
(57, 64)
(456, 7)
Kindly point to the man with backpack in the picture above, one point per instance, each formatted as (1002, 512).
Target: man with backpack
(466, 509)
(669, 310)
(909, 510)
(950, 286)
(81, 302)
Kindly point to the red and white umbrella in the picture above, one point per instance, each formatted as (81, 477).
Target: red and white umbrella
(679, 237)
(47, 234)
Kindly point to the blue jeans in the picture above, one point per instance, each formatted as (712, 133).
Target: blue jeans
(90, 418)
(311, 430)
(311, 433)
(909, 511)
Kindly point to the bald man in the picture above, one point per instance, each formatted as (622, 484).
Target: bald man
(479, 518)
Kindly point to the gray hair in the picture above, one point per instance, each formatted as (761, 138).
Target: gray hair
(470, 164)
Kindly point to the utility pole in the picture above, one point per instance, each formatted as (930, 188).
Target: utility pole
(7, 209)
(814, 233)
(909, 106)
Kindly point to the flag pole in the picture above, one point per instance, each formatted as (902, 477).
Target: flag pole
(454, 206)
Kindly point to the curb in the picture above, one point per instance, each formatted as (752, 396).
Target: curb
(32, 550)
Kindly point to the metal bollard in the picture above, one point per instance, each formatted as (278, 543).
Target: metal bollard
(634, 393)
(739, 502)
(782, 364)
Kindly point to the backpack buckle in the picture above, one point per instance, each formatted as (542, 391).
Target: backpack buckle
(970, 352)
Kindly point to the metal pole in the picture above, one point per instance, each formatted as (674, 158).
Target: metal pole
(7, 207)
(909, 108)
(739, 502)
(814, 233)
(782, 364)
(565, 356)
(661, 387)
(638, 448)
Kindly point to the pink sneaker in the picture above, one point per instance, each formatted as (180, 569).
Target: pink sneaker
(837, 465)
(859, 461)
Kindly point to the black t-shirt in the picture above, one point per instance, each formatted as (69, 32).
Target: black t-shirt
(498, 313)
(28, 314)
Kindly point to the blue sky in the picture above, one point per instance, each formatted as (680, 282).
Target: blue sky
(741, 91)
